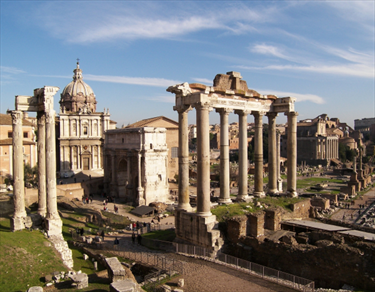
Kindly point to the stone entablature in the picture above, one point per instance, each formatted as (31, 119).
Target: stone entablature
(135, 165)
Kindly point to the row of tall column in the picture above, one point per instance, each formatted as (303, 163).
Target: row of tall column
(47, 199)
(203, 156)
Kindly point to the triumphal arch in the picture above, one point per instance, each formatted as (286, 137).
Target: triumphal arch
(228, 94)
(41, 103)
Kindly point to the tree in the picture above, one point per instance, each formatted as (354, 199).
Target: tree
(345, 153)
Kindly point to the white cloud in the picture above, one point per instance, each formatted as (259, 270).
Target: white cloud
(299, 96)
(345, 70)
(147, 20)
(11, 70)
(158, 82)
(145, 81)
(204, 81)
(268, 50)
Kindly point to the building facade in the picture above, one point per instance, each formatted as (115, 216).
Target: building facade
(81, 128)
(135, 167)
(29, 147)
(317, 141)
(171, 140)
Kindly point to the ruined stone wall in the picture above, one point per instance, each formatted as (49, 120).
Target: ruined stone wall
(236, 227)
(70, 191)
(300, 210)
(329, 260)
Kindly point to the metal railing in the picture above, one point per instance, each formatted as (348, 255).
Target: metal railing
(170, 266)
(264, 272)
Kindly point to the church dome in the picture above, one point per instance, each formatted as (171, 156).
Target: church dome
(78, 96)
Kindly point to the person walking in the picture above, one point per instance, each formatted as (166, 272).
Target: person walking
(133, 237)
(102, 234)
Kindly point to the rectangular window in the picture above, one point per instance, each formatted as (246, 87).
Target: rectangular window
(25, 135)
(10, 135)
(84, 130)
(174, 152)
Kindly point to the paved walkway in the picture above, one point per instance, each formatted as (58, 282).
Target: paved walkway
(351, 214)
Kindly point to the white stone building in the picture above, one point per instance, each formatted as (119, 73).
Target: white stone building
(136, 163)
(81, 128)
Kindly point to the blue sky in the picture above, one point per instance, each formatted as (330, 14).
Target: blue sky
(320, 52)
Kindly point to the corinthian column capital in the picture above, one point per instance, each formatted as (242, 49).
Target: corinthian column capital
(203, 106)
(183, 109)
(224, 111)
(16, 117)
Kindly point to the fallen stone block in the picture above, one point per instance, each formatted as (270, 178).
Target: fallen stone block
(35, 289)
(116, 272)
(85, 257)
(180, 283)
(126, 285)
(80, 281)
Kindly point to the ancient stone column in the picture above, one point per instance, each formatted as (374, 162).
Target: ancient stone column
(224, 157)
(272, 154)
(203, 160)
(183, 159)
(292, 154)
(42, 195)
(18, 219)
(242, 155)
(113, 168)
(141, 199)
(258, 155)
(279, 180)
(53, 221)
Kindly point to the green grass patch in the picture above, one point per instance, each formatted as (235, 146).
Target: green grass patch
(25, 258)
(225, 212)
(116, 221)
(282, 202)
(166, 235)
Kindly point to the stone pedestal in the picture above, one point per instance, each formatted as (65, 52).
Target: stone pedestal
(198, 230)
(17, 223)
(255, 224)
(53, 226)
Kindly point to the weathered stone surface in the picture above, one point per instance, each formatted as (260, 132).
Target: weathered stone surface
(80, 281)
(62, 247)
(323, 243)
(288, 239)
(126, 285)
(35, 289)
(236, 228)
(48, 278)
(116, 271)
(180, 283)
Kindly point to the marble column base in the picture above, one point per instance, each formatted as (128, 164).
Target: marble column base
(292, 194)
(53, 226)
(259, 194)
(204, 214)
(225, 201)
(273, 192)
(184, 207)
(17, 223)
